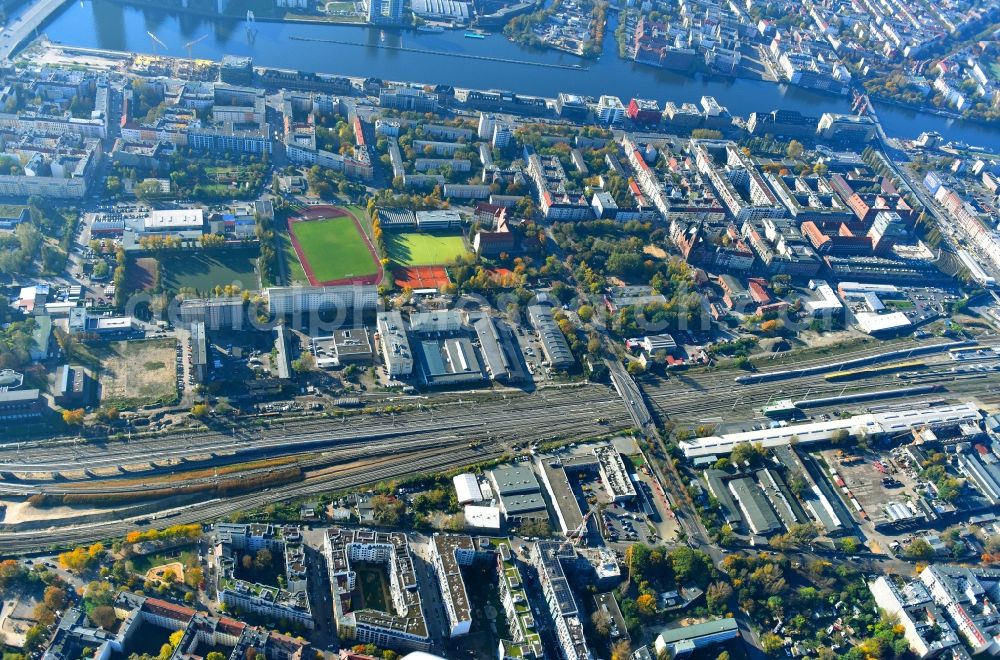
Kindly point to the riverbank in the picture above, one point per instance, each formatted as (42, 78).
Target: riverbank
(441, 53)
(111, 25)
(204, 12)
(939, 112)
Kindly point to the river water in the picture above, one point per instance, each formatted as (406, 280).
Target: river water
(110, 25)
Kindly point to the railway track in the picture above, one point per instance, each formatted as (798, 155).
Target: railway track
(578, 404)
(348, 476)
(692, 397)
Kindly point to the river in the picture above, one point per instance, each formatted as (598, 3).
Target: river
(111, 25)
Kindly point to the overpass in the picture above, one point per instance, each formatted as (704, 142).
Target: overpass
(23, 28)
(630, 393)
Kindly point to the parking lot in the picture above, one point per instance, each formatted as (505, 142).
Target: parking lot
(531, 350)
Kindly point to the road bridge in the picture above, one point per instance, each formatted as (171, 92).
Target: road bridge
(24, 27)
(630, 393)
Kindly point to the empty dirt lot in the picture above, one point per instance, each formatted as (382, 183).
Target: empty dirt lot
(138, 373)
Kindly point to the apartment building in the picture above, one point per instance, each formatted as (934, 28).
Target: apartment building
(404, 627)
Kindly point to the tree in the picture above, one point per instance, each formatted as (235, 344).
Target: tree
(689, 565)
(304, 364)
(199, 411)
(717, 597)
(215, 655)
(73, 417)
(621, 650)
(771, 643)
(586, 312)
(920, 549)
(387, 510)
(148, 190)
(263, 558)
(54, 598)
(34, 638)
(646, 604)
(44, 615)
(602, 623)
(79, 559)
(540, 528)
(98, 593)
(101, 269)
(849, 545)
(193, 577)
(743, 452)
(794, 149)
(176, 637)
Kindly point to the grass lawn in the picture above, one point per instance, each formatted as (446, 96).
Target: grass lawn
(334, 249)
(413, 249)
(204, 271)
(293, 268)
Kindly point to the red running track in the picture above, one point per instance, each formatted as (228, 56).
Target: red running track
(320, 213)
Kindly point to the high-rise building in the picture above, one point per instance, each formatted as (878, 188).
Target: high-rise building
(385, 12)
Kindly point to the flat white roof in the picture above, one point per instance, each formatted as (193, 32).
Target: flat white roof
(114, 322)
(846, 287)
(888, 422)
(483, 517)
(871, 322)
(467, 488)
(174, 219)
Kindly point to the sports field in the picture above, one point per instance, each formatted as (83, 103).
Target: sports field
(204, 270)
(333, 249)
(412, 249)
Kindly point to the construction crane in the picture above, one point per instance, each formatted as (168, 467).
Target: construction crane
(189, 44)
(581, 531)
(156, 39)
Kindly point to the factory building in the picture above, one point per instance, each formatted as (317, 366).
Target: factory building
(753, 505)
(517, 488)
(554, 343)
(871, 425)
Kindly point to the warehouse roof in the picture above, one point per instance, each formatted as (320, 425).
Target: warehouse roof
(513, 479)
(673, 635)
(467, 488)
(872, 322)
(754, 506)
(523, 503)
(887, 422)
